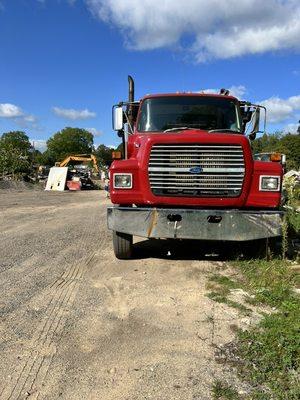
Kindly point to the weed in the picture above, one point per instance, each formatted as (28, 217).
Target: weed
(220, 298)
(209, 319)
(220, 287)
(224, 281)
(270, 281)
(272, 353)
(214, 287)
(251, 300)
(285, 226)
(223, 391)
(271, 350)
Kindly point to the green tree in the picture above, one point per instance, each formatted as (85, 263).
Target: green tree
(15, 153)
(18, 140)
(284, 143)
(44, 158)
(290, 145)
(12, 160)
(104, 155)
(69, 141)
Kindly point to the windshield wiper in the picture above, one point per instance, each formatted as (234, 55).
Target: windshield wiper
(178, 128)
(223, 130)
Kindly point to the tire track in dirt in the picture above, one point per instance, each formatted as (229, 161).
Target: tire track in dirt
(29, 377)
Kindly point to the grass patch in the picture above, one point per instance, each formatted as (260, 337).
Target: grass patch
(224, 281)
(220, 298)
(270, 352)
(223, 391)
(270, 281)
(220, 287)
(293, 218)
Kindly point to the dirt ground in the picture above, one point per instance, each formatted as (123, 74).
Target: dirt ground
(76, 323)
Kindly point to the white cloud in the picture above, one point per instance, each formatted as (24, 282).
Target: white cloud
(70, 113)
(94, 131)
(236, 91)
(20, 118)
(30, 118)
(219, 29)
(8, 110)
(291, 128)
(39, 144)
(279, 110)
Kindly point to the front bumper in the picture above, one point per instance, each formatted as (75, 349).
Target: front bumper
(231, 225)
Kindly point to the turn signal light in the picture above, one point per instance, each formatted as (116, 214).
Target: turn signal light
(116, 155)
(275, 157)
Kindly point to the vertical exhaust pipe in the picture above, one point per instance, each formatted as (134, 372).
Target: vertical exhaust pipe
(131, 89)
(131, 100)
(130, 115)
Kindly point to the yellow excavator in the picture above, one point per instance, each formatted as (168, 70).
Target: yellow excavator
(79, 158)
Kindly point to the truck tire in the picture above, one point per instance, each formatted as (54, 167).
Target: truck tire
(122, 243)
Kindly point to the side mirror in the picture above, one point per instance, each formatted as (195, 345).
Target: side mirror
(255, 129)
(117, 118)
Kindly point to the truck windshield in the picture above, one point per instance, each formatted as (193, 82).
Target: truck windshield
(160, 114)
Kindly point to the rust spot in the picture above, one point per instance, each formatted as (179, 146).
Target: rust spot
(153, 221)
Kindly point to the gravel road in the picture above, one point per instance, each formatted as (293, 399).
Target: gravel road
(78, 324)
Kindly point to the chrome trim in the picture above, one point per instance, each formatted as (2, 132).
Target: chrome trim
(159, 169)
(222, 170)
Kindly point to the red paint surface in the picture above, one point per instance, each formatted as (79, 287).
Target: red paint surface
(139, 147)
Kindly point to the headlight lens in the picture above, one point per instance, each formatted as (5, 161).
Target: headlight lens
(269, 183)
(122, 181)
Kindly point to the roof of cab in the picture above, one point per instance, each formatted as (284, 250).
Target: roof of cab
(189, 94)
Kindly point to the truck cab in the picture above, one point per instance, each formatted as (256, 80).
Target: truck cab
(188, 172)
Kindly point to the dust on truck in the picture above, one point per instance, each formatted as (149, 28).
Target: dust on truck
(187, 171)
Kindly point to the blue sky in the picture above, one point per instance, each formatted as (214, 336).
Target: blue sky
(65, 62)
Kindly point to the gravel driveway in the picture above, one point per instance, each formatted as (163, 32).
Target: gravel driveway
(78, 324)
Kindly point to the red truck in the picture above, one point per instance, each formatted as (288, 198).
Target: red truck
(188, 172)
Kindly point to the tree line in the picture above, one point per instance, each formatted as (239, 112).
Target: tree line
(17, 155)
(288, 144)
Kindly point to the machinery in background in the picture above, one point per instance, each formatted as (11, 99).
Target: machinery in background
(80, 159)
(81, 169)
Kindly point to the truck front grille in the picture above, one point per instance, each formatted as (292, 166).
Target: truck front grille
(196, 170)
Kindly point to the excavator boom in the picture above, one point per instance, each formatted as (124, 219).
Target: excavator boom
(80, 157)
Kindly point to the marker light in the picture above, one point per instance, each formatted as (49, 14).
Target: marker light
(275, 157)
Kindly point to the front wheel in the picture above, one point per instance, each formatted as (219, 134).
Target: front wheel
(122, 243)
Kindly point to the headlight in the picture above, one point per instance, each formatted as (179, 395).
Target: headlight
(269, 183)
(122, 181)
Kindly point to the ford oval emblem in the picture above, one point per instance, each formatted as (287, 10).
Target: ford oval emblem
(196, 170)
